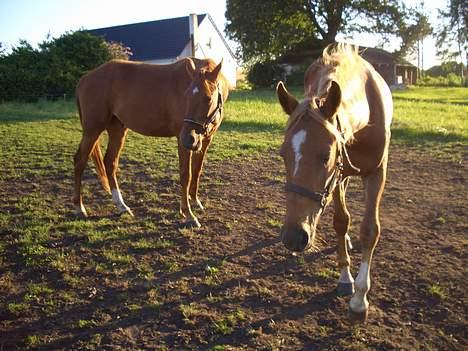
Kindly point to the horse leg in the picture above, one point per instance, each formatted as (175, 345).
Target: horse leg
(197, 166)
(117, 133)
(185, 171)
(87, 143)
(341, 220)
(369, 236)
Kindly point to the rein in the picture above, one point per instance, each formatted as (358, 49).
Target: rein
(211, 118)
(335, 179)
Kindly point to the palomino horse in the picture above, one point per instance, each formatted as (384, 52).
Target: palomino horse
(341, 129)
(184, 99)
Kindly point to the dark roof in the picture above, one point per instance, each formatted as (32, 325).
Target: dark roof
(151, 40)
(380, 56)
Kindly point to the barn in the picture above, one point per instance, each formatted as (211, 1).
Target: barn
(168, 40)
(396, 71)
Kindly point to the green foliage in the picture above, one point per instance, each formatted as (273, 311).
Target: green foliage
(269, 29)
(445, 68)
(412, 32)
(451, 80)
(52, 70)
(452, 33)
(265, 74)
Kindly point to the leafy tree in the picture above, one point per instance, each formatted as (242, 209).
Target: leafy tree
(267, 29)
(412, 34)
(119, 51)
(452, 32)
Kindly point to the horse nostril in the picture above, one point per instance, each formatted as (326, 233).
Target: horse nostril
(295, 239)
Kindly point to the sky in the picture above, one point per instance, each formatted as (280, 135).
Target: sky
(33, 20)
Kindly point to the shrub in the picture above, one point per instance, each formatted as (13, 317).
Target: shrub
(53, 69)
(451, 80)
(265, 74)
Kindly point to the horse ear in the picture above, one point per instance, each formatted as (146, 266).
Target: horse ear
(213, 75)
(332, 101)
(190, 67)
(286, 100)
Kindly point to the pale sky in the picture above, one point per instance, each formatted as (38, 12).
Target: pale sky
(32, 20)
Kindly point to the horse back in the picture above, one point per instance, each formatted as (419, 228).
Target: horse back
(146, 98)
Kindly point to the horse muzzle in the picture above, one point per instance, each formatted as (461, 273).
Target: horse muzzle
(192, 141)
(296, 239)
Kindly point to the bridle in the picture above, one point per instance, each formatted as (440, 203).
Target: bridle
(211, 118)
(336, 177)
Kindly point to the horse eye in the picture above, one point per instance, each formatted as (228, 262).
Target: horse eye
(324, 159)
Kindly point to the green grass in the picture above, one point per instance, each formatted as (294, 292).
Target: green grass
(52, 263)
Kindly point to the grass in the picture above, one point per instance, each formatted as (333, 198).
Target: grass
(54, 265)
(438, 291)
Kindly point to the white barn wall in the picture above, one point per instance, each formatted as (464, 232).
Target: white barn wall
(211, 45)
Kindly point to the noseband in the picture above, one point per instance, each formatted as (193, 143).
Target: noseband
(211, 118)
(336, 178)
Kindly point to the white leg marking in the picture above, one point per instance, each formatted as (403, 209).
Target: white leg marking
(359, 301)
(195, 90)
(118, 200)
(348, 240)
(200, 205)
(346, 276)
(297, 141)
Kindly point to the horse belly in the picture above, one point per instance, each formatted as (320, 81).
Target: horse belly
(149, 124)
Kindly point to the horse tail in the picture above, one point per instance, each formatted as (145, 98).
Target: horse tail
(100, 167)
(96, 154)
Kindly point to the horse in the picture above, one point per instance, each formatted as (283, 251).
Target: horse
(340, 129)
(184, 99)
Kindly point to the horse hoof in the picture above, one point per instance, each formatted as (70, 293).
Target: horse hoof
(345, 289)
(190, 224)
(200, 205)
(358, 317)
(80, 212)
(126, 211)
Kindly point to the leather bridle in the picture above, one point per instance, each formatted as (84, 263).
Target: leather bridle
(335, 179)
(211, 118)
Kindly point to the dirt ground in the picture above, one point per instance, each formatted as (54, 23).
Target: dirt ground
(235, 287)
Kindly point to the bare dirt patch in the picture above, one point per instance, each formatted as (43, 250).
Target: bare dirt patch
(232, 285)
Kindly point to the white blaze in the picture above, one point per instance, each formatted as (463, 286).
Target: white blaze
(297, 141)
(195, 90)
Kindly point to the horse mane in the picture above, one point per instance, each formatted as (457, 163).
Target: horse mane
(341, 63)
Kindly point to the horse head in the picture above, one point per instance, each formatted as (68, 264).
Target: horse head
(205, 104)
(312, 155)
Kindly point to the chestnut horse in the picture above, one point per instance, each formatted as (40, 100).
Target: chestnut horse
(184, 99)
(341, 129)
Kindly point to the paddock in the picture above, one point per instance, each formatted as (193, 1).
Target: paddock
(111, 282)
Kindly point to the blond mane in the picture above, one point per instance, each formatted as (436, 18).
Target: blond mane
(343, 64)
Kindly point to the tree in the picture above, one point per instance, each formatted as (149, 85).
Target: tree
(267, 29)
(413, 33)
(452, 32)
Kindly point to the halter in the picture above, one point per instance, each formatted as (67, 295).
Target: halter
(211, 118)
(336, 178)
